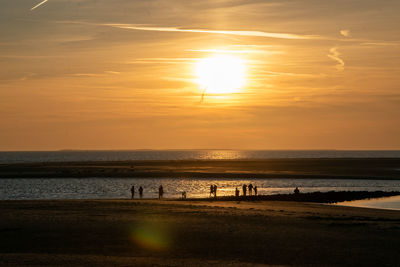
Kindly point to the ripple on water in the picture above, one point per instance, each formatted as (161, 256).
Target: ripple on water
(104, 188)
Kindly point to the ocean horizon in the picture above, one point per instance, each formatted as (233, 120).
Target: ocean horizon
(8, 157)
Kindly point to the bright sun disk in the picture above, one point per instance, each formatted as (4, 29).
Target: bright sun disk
(220, 74)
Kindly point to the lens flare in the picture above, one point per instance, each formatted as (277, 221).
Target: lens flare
(152, 235)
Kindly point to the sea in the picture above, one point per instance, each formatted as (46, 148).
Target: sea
(117, 155)
(119, 188)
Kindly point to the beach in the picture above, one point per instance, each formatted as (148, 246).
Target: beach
(79, 214)
(195, 233)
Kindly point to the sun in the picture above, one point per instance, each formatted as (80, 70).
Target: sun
(220, 74)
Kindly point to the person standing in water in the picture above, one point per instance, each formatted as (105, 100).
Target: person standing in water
(244, 190)
(141, 192)
(237, 192)
(296, 191)
(215, 190)
(255, 190)
(160, 191)
(250, 189)
(132, 192)
(211, 190)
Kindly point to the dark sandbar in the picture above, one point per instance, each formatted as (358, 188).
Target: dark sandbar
(351, 168)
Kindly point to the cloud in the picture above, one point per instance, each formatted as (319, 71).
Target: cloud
(27, 76)
(227, 32)
(38, 5)
(112, 72)
(107, 72)
(306, 75)
(371, 43)
(335, 55)
(229, 51)
(160, 60)
(86, 74)
(345, 33)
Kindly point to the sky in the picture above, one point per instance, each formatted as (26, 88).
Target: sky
(96, 74)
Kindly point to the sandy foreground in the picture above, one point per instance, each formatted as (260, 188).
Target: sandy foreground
(195, 233)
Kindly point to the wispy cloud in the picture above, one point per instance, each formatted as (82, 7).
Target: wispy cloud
(345, 33)
(86, 74)
(306, 75)
(38, 5)
(335, 55)
(371, 43)
(229, 51)
(227, 32)
(107, 72)
(27, 76)
(160, 60)
(112, 72)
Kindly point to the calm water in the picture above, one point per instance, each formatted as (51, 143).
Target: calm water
(390, 203)
(59, 156)
(105, 188)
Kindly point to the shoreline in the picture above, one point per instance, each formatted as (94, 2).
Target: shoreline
(384, 203)
(313, 197)
(331, 197)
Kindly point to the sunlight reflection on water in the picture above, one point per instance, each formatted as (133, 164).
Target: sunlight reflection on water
(392, 203)
(115, 155)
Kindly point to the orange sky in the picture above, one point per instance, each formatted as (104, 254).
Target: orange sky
(120, 74)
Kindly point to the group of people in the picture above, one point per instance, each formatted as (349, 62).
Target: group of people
(133, 192)
(160, 192)
(245, 187)
(213, 191)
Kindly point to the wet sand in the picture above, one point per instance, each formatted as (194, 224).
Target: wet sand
(195, 233)
(364, 168)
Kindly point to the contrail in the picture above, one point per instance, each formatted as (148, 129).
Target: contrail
(141, 27)
(38, 5)
(240, 33)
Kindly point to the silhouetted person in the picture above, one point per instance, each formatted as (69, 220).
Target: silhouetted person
(160, 191)
(215, 190)
(255, 190)
(132, 192)
(296, 191)
(237, 192)
(250, 189)
(141, 192)
(211, 190)
(244, 190)
(184, 195)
